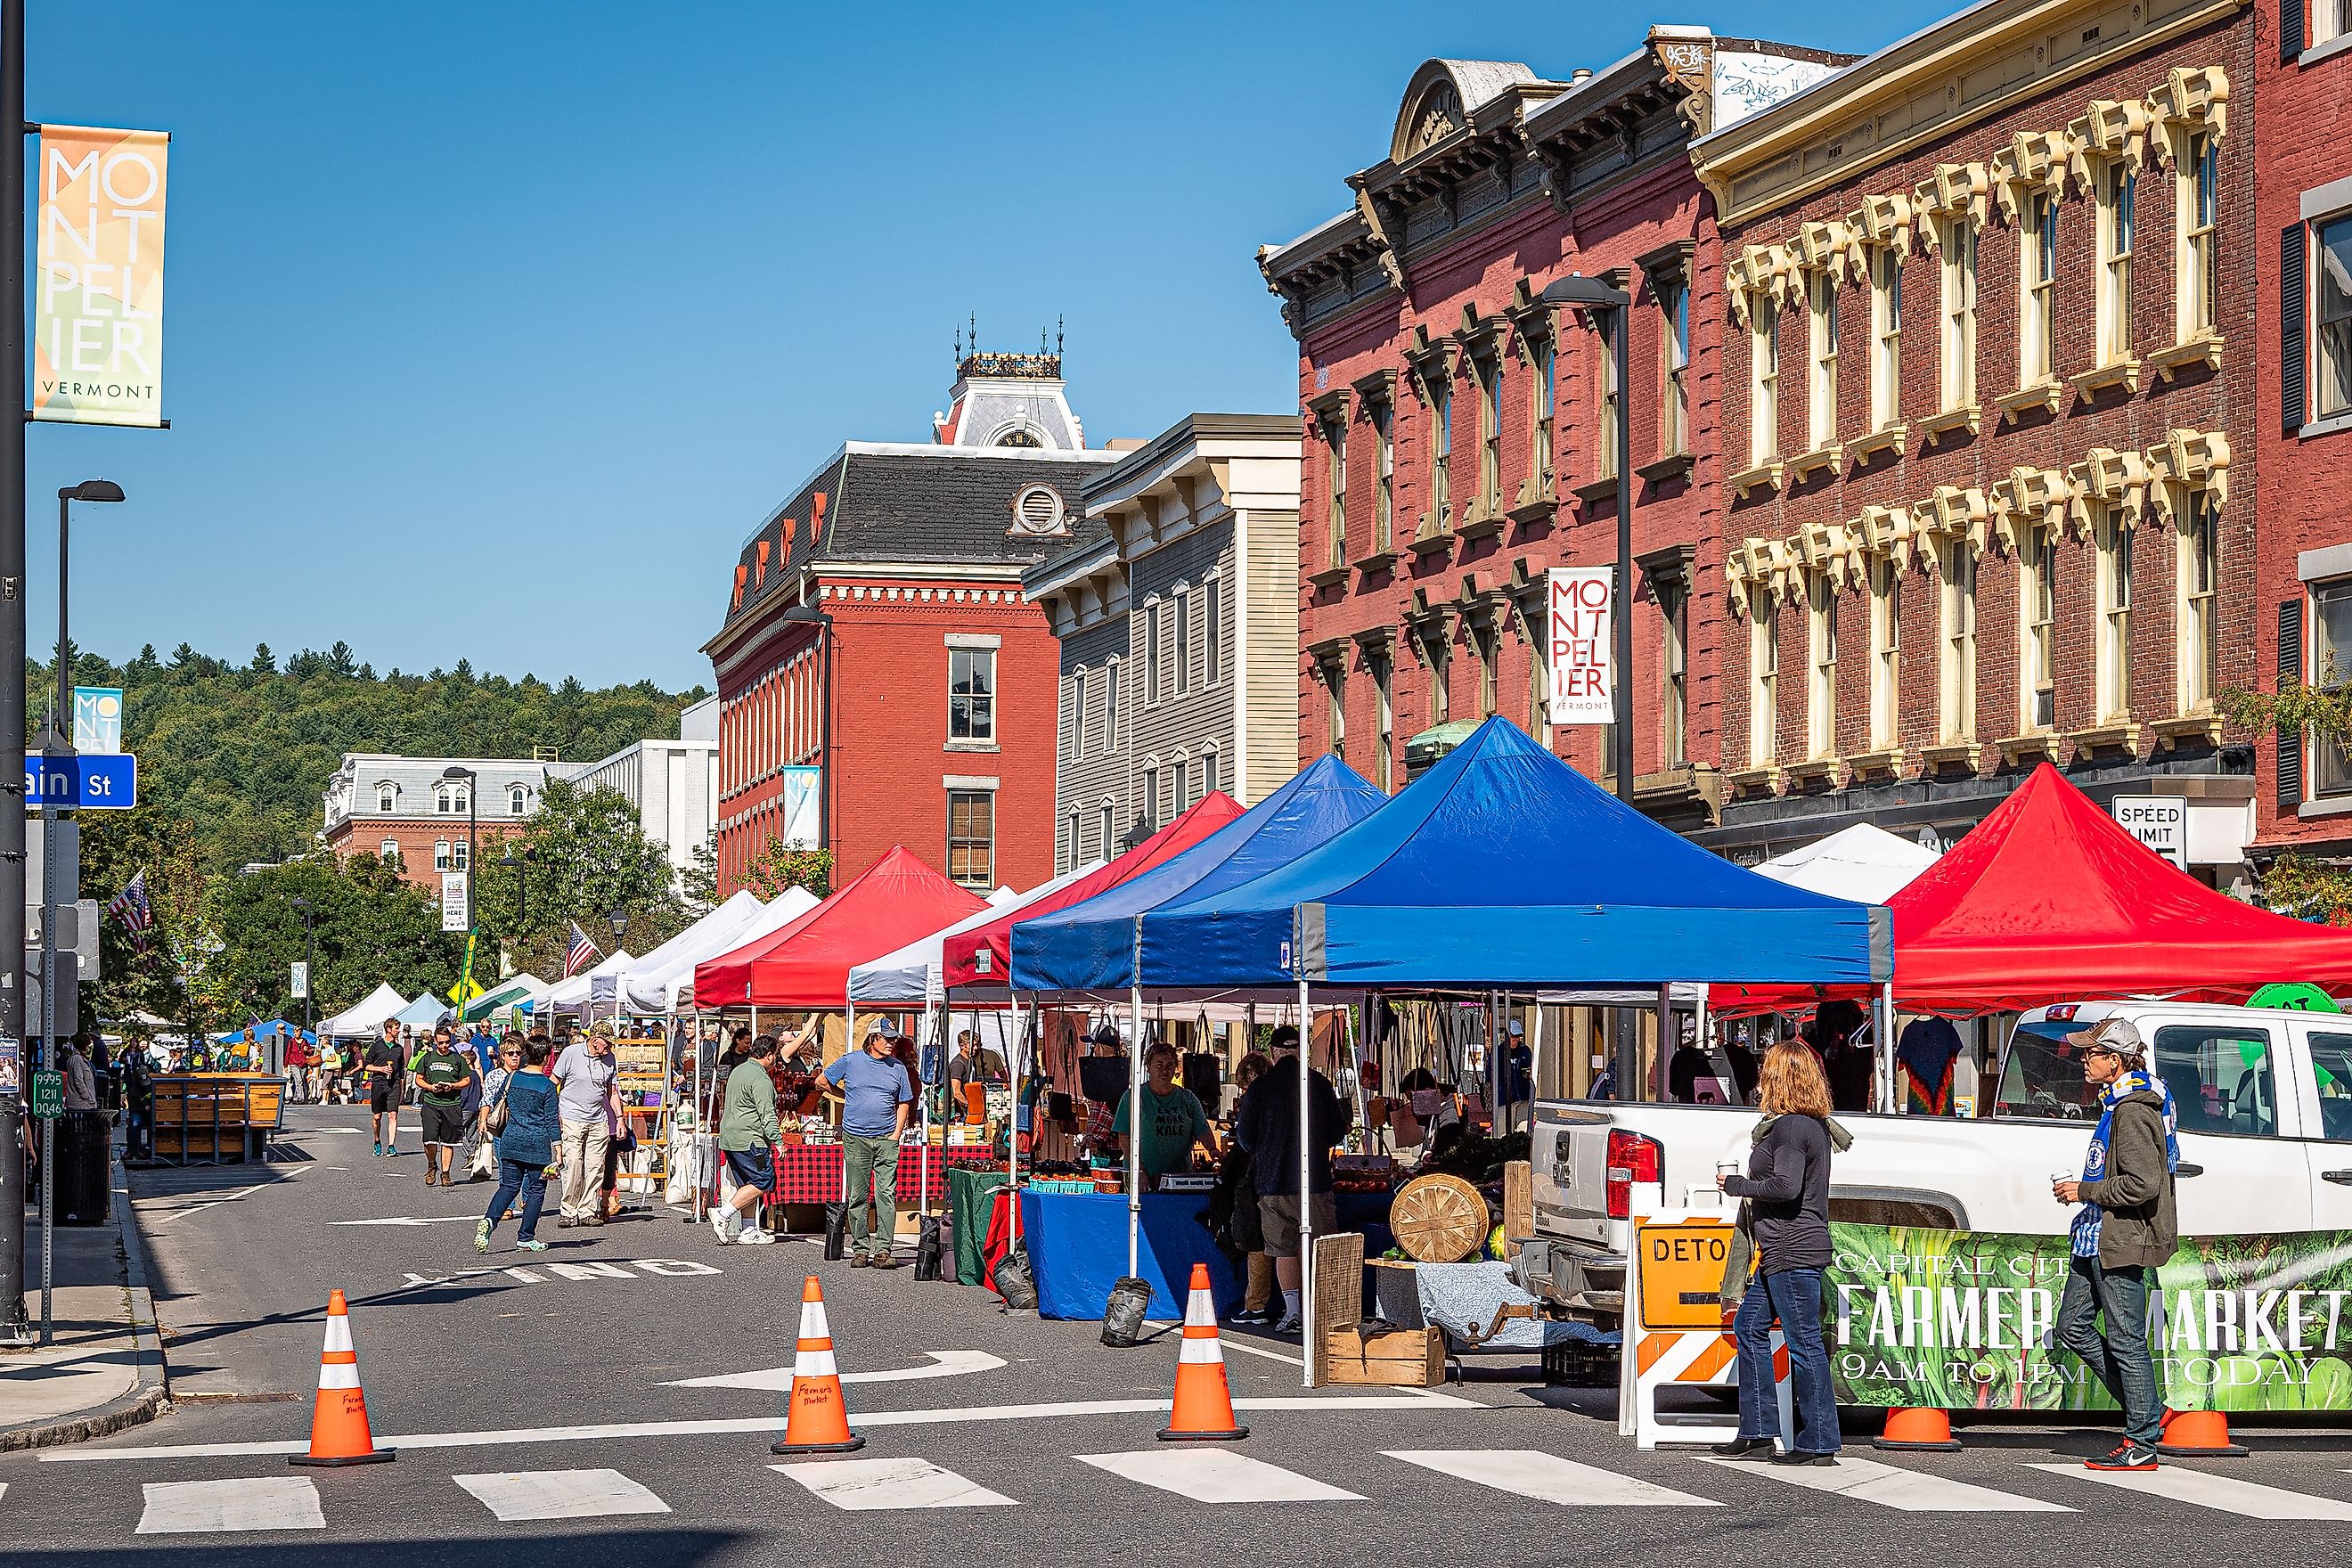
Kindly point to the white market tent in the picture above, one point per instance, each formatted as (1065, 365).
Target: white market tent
(425, 1012)
(914, 973)
(1863, 863)
(571, 995)
(787, 907)
(367, 1016)
(640, 984)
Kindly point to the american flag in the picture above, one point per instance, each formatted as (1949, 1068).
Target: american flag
(584, 952)
(130, 907)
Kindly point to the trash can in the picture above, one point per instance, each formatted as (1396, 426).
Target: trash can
(84, 1192)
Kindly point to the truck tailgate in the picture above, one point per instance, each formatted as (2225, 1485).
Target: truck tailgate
(1570, 1153)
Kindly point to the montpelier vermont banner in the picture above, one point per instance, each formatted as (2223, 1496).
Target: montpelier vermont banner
(98, 334)
(1963, 1320)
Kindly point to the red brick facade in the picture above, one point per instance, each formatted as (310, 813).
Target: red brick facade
(2109, 467)
(1532, 183)
(2302, 428)
(417, 838)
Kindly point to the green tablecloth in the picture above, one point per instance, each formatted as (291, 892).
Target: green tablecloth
(971, 1199)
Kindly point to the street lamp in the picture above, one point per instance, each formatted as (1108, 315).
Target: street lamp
(309, 957)
(521, 868)
(620, 919)
(1593, 296)
(87, 491)
(810, 615)
(450, 774)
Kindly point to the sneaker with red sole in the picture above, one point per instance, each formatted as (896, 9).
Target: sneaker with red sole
(2125, 1456)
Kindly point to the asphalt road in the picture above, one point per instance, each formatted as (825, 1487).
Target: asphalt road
(540, 1414)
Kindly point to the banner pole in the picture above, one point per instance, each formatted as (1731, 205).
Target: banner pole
(13, 1325)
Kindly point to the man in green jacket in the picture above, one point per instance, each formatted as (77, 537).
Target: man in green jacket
(747, 1135)
(2124, 1232)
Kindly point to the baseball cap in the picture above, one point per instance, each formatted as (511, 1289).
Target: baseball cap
(1514, 1027)
(2115, 1034)
(888, 1029)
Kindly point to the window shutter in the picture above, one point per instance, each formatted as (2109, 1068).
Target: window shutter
(2290, 30)
(2290, 673)
(2292, 278)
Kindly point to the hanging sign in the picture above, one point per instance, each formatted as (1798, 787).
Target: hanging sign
(455, 914)
(1576, 643)
(2159, 821)
(99, 292)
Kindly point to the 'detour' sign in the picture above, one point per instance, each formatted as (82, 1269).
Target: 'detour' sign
(99, 302)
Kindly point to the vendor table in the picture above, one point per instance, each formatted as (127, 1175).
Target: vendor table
(969, 1205)
(811, 1173)
(1077, 1247)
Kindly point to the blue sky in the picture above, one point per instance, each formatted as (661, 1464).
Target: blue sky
(493, 329)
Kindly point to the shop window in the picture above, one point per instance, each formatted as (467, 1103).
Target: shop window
(971, 837)
(1955, 682)
(972, 694)
(1764, 382)
(2038, 321)
(1886, 336)
(1822, 421)
(2198, 551)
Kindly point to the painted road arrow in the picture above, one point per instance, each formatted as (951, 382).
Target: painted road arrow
(437, 1220)
(944, 1363)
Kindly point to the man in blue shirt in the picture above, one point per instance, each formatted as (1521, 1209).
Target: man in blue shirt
(874, 1092)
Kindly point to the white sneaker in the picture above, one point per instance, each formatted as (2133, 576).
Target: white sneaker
(755, 1238)
(1290, 1324)
(718, 1223)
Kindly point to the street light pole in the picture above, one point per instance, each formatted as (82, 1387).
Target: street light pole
(13, 1325)
(1594, 296)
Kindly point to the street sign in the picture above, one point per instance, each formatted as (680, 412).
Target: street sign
(97, 719)
(2159, 821)
(454, 913)
(96, 783)
(48, 1094)
(1579, 602)
(301, 980)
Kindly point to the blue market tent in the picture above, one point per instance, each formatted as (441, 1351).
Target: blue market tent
(1502, 866)
(1091, 946)
(424, 1013)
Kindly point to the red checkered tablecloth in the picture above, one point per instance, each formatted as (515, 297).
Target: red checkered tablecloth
(811, 1173)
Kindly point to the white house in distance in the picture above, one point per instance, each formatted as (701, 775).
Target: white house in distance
(672, 784)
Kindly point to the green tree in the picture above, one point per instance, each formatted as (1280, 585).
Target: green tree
(371, 927)
(776, 869)
(583, 857)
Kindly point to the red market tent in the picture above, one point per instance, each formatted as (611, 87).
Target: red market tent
(807, 963)
(983, 956)
(2049, 899)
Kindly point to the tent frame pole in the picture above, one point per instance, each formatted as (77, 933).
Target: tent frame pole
(1882, 1043)
(1134, 1127)
(1307, 1325)
(1013, 1137)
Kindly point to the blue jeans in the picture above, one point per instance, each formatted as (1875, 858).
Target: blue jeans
(530, 1181)
(2119, 1357)
(1794, 1296)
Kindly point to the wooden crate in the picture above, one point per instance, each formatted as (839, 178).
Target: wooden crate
(1394, 1358)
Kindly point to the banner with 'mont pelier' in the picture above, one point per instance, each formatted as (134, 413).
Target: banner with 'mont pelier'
(97, 332)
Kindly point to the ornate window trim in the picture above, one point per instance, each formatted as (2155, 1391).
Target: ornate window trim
(2033, 164)
(2186, 103)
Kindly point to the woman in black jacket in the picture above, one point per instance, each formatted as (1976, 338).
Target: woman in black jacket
(1788, 1190)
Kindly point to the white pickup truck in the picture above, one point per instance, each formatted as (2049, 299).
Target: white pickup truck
(2265, 1106)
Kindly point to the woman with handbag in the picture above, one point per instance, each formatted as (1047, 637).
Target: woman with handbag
(525, 1120)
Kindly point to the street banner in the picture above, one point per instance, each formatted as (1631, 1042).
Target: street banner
(97, 719)
(1576, 643)
(800, 788)
(455, 914)
(301, 979)
(1966, 1321)
(97, 336)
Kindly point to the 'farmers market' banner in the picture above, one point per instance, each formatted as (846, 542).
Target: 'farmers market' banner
(1966, 1321)
(98, 337)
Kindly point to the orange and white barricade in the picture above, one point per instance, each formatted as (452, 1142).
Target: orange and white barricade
(1675, 1332)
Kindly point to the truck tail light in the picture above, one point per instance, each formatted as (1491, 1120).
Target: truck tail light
(1632, 1158)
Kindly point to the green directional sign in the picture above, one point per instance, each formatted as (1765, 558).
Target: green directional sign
(48, 1094)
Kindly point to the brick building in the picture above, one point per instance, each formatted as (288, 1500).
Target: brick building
(2302, 425)
(1179, 630)
(408, 808)
(1989, 357)
(939, 730)
(1460, 434)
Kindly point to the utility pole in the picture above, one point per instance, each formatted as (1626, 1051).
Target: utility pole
(13, 1324)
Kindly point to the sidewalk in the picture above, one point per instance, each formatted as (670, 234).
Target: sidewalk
(106, 1371)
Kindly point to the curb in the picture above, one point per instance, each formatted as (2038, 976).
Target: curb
(153, 1395)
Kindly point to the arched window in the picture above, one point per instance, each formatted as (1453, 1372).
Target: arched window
(445, 798)
(518, 800)
(387, 796)
(440, 854)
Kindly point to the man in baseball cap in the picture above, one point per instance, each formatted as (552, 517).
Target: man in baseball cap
(2125, 1230)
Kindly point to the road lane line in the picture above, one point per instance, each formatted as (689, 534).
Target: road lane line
(944, 1363)
(560, 1494)
(874, 1485)
(2245, 1499)
(1217, 1475)
(276, 1502)
(1546, 1478)
(632, 1429)
(1913, 1492)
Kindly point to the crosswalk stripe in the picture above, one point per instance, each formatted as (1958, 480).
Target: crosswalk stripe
(2247, 1498)
(560, 1494)
(1546, 1478)
(1217, 1475)
(864, 1485)
(274, 1502)
(1913, 1492)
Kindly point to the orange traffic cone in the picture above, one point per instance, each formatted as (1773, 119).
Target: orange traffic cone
(816, 1419)
(1203, 1411)
(1909, 1426)
(2198, 1434)
(338, 1422)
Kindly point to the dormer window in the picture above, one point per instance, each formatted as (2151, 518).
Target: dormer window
(518, 800)
(387, 798)
(450, 799)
